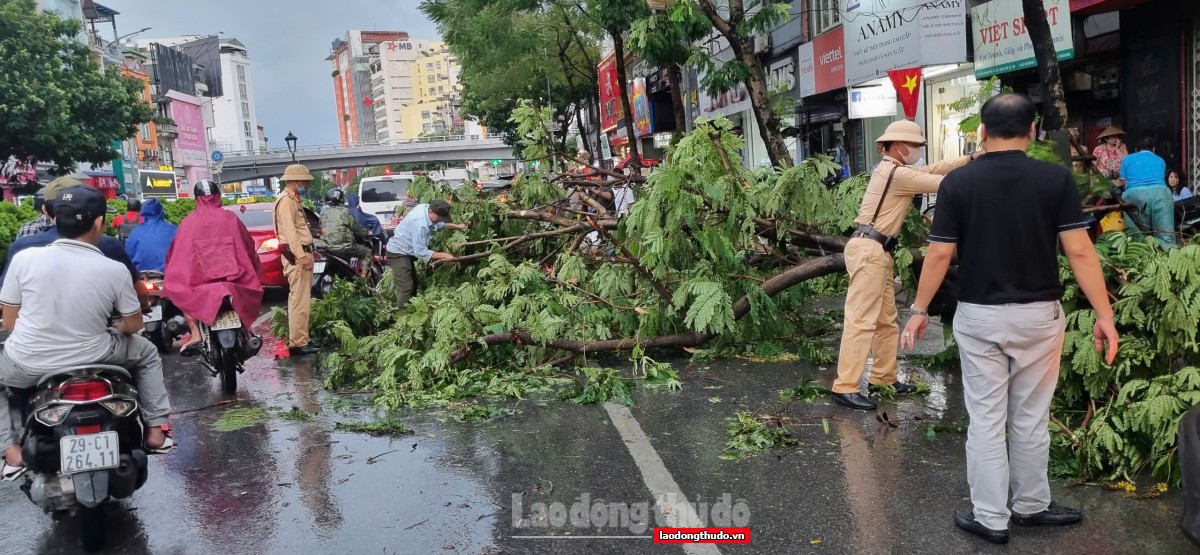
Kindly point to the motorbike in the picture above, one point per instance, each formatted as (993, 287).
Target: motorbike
(329, 266)
(226, 345)
(83, 441)
(164, 324)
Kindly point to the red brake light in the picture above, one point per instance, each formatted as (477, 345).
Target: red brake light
(152, 286)
(88, 429)
(85, 390)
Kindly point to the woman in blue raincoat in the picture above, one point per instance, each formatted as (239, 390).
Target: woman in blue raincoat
(149, 241)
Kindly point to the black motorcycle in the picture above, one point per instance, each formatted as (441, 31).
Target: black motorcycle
(329, 266)
(226, 345)
(83, 441)
(164, 324)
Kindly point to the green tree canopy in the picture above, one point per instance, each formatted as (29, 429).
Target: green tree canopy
(55, 104)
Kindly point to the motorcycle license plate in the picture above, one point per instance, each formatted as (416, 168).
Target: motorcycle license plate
(227, 321)
(89, 452)
(155, 314)
(319, 267)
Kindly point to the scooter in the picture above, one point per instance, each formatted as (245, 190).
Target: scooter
(328, 267)
(226, 345)
(83, 441)
(164, 324)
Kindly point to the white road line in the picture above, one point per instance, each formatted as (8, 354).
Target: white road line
(656, 476)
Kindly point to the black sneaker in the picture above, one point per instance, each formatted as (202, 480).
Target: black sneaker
(1054, 515)
(303, 351)
(965, 520)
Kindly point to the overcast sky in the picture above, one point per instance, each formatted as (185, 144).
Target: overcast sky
(288, 41)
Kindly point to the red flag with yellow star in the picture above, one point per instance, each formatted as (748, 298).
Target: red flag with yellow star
(908, 88)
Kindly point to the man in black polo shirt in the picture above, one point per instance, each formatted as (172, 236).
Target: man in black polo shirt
(1010, 325)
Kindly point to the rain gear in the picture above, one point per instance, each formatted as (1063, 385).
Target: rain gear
(368, 221)
(212, 257)
(149, 242)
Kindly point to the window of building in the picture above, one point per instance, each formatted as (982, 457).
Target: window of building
(441, 89)
(431, 78)
(246, 127)
(439, 65)
(429, 66)
(425, 115)
(243, 90)
(246, 109)
(427, 127)
(825, 15)
(431, 91)
(249, 144)
(241, 71)
(145, 132)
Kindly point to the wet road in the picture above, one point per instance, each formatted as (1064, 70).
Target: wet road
(246, 479)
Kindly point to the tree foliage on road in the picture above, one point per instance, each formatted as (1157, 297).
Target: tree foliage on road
(55, 104)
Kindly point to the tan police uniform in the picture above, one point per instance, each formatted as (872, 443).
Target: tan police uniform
(291, 227)
(870, 324)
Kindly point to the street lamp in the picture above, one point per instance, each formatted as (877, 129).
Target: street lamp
(290, 139)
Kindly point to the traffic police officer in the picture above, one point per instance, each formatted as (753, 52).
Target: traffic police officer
(296, 247)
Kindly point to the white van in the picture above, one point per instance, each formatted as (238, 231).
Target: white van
(380, 195)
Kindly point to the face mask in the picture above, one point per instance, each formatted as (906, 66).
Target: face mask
(913, 156)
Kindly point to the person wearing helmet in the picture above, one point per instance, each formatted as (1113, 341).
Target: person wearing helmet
(341, 233)
(148, 244)
(212, 257)
(296, 247)
(125, 223)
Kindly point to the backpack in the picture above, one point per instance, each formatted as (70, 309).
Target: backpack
(126, 228)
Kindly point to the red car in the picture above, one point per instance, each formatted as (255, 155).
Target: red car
(260, 221)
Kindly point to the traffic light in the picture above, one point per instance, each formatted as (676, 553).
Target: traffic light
(387, 171)
(495, 162)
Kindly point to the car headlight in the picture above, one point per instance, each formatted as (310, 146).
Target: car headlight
(53, 415)
(118, 407)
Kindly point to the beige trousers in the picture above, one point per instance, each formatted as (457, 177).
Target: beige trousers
(299, 301)
(870, 324)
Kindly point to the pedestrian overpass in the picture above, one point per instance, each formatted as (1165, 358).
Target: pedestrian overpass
(259, 164)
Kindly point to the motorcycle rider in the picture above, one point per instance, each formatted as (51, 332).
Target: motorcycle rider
(127, 222)
(148, 244)
(339, 230)
(72, 272)
(212, 257)
(371, 223)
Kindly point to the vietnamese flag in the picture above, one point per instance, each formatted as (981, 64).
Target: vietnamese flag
(908, 88)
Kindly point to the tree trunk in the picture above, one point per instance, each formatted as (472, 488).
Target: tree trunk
(760, 98)
(1054, 109)
(595, 117)
(623, 84)
(675, 79)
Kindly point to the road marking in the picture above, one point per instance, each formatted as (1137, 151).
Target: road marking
(656, 476)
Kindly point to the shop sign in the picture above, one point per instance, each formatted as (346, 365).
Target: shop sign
(872, 102)
(734, 101)
(610, 99)
(641, 108)
(1002, 41)
(806, 70)
(781, 75)
(829, 61)
(157, 183)
(605, 147)
(889, 34)
(662, 140)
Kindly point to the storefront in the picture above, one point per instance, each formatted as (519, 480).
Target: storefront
(949, 100)
(735, 105)
(820, 118)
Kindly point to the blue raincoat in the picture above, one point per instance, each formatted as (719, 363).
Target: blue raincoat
(149, 241)
(366, 220)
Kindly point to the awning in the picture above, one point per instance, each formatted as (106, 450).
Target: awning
(1092, 7)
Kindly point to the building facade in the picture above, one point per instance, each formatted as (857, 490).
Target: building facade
(432, 110)
(235, 115)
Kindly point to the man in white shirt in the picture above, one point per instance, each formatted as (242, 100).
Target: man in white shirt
(57, 301)
(410, 241)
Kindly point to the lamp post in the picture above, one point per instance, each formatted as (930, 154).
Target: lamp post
(290, 139)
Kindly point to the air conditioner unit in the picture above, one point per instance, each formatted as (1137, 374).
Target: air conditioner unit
(762, 43)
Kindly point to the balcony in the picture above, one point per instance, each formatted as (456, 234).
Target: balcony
(166, 128)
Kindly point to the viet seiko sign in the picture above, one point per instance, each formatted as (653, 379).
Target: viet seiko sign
(872, 102)
(891, 34)
(1002, 41)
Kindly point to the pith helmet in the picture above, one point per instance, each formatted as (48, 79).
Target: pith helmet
(905, 131)
(296, 172)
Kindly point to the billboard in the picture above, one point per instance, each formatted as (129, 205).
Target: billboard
(892, 34)
(610, 99)
(192, 142)
(157, 183)
(207, 52)
(641, 108)
(172, 70)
